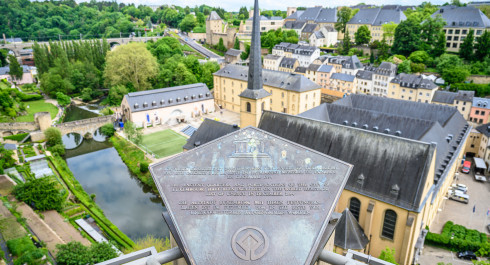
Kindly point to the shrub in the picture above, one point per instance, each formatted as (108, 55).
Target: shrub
(144, 167)
(58, 149)
(160, 244)
(107, 111)
(53, 136)
(74, 253)
(41, 194)
(481, 90)
(107, 130)
(388, 255)
(16, 137)
(20, 246)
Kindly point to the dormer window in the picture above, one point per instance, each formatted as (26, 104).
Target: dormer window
(395, 190)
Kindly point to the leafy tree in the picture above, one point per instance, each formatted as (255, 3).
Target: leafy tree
(482, 46)
(144, 167)
(383, 50)
(404, 67)
(362, 35)
(3, 57)
(273, 37)
(345, 44)
(343, 16)
(419, 57)
(130, 64)
(417, 67)
(15, 70)
(53, 136)
(407, 38)
(456, 74)
(51, 83)
(466, 48)
(430, 29)
(201, 19)
(131, 132)
(188, 23)
(74, 253)
(388, 254)
(107, 129)
(63, 100)
(221, 46)
(41, 194)
(389, 29)
(447, 61)
(371, 57)
(6, 159)
(116, 95)
(87, 94)
(237, 44)
(243, 11)
(440, 45)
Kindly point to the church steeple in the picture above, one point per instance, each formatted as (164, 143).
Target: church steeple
(255, 88)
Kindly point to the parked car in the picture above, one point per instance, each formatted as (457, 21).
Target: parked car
(469, 255)
(466, 167)
(460, 187)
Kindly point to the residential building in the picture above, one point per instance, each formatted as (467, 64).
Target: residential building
(382, 76)
(304, 54)
(462, 100)
(364, 80)
(232, 56)
(473, 143)
(412, 87)
(271, 62)
(374, 18)
(324, 37)
(311, 72)
(480, 111)
(308, 30)
(169, 105)
(266, 24)
(405, 154)
(341, 84)
(323, 59)
(459, 21)
(27, 57)
(297, 26)
(484, 146)
(324, 73)
(315, 15)
(345, 64)
(27, 75)
(288, 64)
(300, 70)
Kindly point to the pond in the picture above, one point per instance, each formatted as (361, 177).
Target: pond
(125, 200)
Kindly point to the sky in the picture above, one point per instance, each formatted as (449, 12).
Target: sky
(234, 5)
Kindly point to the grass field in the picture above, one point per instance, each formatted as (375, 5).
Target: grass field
(34, 107)
(11, 229)
(163, 143)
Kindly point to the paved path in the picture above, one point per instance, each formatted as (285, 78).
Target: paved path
(40, 228)
(64, 229)
(198, 47)
(432, 256)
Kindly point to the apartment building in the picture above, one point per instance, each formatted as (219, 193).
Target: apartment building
(412, 87)
(382, 76)
(341, 84)
(288, 65)
(364, 81)
(480, 111)
(266, 24)
(345, 64)
(271, 62)
(324, 73)
(304, 54)
(324, 37)
(462, 100)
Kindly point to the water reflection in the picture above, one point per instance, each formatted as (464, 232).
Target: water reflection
(75, 113)
(72, 140)
(99, 136)
(125, 200)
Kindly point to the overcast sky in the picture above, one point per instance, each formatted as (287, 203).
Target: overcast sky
(234, 5)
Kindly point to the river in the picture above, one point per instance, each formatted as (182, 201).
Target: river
(125, 200)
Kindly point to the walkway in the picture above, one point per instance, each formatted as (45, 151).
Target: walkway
(198, 47)
(64, 229)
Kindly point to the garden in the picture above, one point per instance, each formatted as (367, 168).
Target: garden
(31, 108)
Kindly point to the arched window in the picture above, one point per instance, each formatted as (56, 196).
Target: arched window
(249, 107)
(355, 207)
(389, 224)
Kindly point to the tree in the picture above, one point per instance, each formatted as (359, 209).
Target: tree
(107, 129)
(345, 44)
(482, 46)
(41, 194)
(130, 64)
(243, 11)
(383, 50)
(87, 94)
(419, 57)
(15, 70)
(371, 57)
(456, 74)
(440, 45)
(388, 255)
(417, 67)
(389, 30)
(201, 19)
(188, 23)
(63, 100)
(237, 44)
(362, 35)
(74, 253)
(131, 132)
(430, 29)
(53, 136)
(3, 57)
(343, 16)
(6, 159)
(466, 48)
(404, 67)
(407, 38)
(221, 46)
(116, 94)
(447, 61)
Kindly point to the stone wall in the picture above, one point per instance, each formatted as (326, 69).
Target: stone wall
(84, 126)
(479, 79)
(19, 126)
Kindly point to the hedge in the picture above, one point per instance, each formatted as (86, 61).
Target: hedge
(88, 205)
(462, 238)
(481, 90)
(16, 137)
(25, 250)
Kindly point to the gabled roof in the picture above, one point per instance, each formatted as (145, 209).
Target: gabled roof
(348, 233)
(448, 97)
(386, 68)
(309, 28)
(233, 52)
(378, 16)
(348, 62)
(364, 74)
(327, 15)
(365, 16)
(463, 17)
(325, 68)
(208, 131)
(318, 34)
(300, 70)
(165, 97)
(484, 129)
(272, 57)
(279, 79)
(481, 103)
(288, 62)
(343, 77)
(314, 67)
(214, 16)
(310, 13)
(413, 81)
(383, 161)
(260, 18)
(295, 15)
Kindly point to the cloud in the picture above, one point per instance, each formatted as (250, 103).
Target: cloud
(233, 5)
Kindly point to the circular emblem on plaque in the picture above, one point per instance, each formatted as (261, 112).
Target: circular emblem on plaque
(250, 243)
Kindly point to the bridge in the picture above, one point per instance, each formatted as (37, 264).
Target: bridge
(7, 129)
(18, 47)
(86, 127)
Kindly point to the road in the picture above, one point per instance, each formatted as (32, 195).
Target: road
(198, 47)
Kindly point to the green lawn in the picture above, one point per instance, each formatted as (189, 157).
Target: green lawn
(34, 107)
(3, 85)
(163, 143)
(11, 229)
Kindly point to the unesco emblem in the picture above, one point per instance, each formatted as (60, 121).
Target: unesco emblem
(250, 243)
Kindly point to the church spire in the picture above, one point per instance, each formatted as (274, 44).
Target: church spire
(255, 88)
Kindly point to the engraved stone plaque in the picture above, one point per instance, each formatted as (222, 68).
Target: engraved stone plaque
(250, 197)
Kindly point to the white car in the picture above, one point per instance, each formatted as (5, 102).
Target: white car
(460, 187)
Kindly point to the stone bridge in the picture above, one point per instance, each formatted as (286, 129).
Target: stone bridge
(7, 129)
(18, 47)
(86, 126)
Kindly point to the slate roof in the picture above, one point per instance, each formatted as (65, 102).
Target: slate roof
(378, 16)
(12, 40)
(364, 74)
(413, 81)
(310, 13)
(214, 16)
(343, 77)
(325, 68)
(386, 68)
(327, 15)
(318, 34)
(449, 97)
(272, 57)
(295, 15)
(384, 161)
(463, 17)
(288, 62)
(283, 80)
(233, 52)
(261, 18)
(484, 129)
(348, 62)
(6, 69)
(309, 28)
(300, 70)
(348, 233)
(481, 102)
(314, 67)
(208, 131)
(165, 97)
